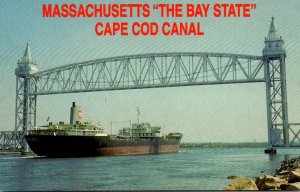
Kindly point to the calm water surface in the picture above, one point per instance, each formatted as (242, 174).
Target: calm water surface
(189, 169)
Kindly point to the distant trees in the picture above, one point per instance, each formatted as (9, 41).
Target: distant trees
(224, 145)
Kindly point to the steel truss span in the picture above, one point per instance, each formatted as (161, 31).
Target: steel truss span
(149, 71)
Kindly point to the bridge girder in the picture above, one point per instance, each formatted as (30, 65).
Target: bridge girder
(149, 71)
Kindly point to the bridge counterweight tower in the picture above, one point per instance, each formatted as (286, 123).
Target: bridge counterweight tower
(25, 117)
(276, 95)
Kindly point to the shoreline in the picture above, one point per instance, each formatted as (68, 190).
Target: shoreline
(287, 177)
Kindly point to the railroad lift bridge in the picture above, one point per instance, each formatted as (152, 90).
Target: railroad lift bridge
(162, 70)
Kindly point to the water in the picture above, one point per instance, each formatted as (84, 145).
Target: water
(189, 169)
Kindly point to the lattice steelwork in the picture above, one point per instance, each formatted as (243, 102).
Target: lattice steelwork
(276, 102)
(25, 118)
(293, 127)
(274, 55)
(8, 140)
(149, 71)
(25, 109)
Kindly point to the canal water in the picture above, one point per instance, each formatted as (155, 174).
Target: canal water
(205, 169)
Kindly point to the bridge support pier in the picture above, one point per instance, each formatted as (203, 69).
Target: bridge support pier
(276, 95)
(25, 117)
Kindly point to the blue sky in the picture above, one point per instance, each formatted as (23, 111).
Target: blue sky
(202, 113)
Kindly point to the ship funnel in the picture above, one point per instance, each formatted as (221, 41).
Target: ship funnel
(76, 114)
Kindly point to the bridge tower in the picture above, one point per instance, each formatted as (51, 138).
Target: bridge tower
(274, 55)
(25, 117)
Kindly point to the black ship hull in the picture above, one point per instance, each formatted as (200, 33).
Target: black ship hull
(80, 146)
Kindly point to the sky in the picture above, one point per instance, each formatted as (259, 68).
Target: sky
(218, 113)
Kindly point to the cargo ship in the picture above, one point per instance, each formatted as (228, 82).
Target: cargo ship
(82, 139)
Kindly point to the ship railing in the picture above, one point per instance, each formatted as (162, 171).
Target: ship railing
(84, 132)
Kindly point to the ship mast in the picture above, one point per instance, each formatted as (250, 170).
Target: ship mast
(138, 115)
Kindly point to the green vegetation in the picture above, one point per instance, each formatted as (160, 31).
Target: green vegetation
(223, 145)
